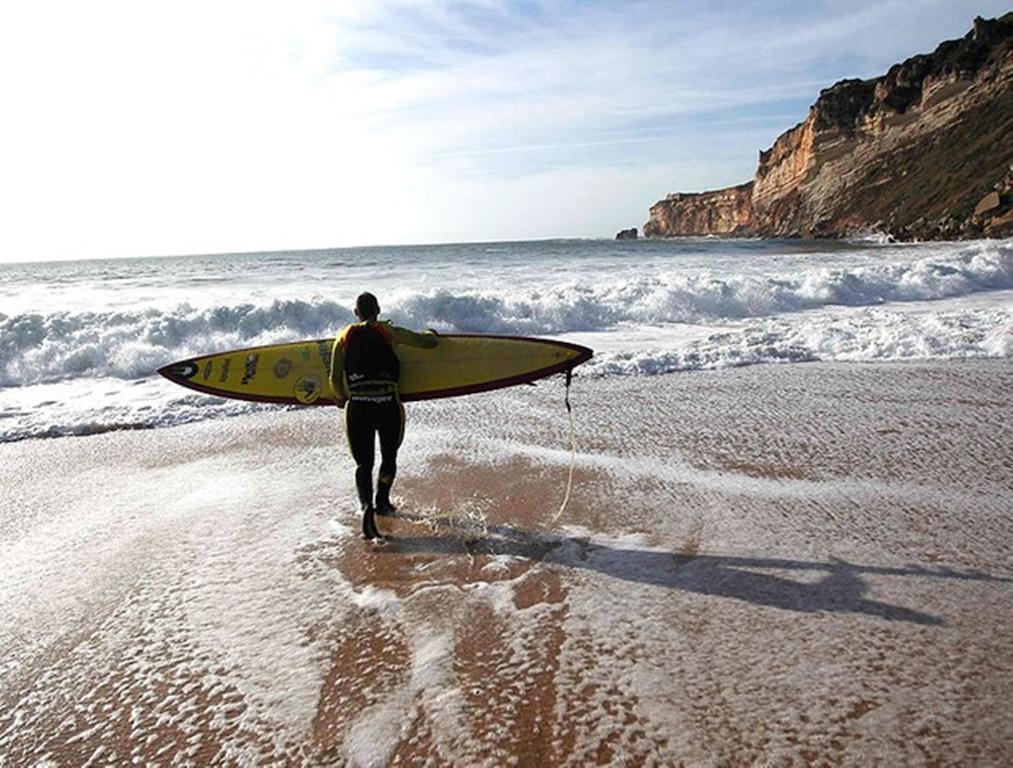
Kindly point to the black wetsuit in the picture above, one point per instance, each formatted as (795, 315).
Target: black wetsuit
(365, 368)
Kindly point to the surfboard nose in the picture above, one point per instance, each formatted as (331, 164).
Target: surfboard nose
(183, 370)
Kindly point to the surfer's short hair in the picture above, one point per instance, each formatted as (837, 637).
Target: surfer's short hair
(367, 305)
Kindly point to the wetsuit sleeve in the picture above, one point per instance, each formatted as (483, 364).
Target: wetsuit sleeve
(412, 339)
(337, 372)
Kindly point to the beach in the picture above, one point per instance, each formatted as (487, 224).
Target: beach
(773, 564)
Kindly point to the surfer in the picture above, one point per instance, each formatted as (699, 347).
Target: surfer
(364, 376)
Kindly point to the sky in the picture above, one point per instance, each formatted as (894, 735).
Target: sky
(153, 128)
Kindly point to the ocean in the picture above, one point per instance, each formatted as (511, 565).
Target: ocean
(80, 341)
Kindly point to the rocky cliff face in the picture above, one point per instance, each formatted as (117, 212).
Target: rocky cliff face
(723, 212)
(914, 153)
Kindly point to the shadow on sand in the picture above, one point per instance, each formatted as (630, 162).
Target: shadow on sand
(841, 590)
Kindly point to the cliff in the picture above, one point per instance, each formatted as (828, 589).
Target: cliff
(923, 152)
(722, 212)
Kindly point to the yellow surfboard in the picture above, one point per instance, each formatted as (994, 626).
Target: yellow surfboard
(297, 373)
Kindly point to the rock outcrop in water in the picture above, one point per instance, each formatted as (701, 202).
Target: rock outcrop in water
(923, 152)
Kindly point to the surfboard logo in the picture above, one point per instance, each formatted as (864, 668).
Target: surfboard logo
(282, 368)
(307, 389)
(207, 370)
(324, 348)
(185, 370)
(249, 369)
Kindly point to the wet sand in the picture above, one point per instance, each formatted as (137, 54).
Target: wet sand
(804, 564)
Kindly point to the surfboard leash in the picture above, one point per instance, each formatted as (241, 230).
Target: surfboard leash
(573, 448)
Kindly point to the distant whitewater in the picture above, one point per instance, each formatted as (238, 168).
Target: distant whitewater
(79, 342)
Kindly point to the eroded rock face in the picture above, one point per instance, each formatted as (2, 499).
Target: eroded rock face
(722, 212)
(911, 153)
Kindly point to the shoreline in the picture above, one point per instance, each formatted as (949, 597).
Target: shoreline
(807, 563)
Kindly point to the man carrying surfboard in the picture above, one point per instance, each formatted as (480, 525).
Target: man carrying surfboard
(364, 377)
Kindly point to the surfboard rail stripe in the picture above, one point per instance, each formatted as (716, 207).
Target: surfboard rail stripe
(184, 372)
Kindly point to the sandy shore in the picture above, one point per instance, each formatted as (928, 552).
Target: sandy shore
(805, 564)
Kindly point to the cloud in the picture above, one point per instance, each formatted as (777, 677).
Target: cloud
(188, 126)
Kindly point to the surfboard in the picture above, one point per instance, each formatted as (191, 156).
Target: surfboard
(298, 373)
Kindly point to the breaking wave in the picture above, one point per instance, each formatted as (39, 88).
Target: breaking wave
(47, 347)
(873, 335)
(41, 348)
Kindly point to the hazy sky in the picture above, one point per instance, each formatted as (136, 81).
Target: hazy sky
(141, 128)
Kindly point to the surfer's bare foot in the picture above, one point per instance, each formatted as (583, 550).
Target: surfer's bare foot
(385, 508)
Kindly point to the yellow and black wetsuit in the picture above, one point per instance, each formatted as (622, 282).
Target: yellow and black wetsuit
(365, 370)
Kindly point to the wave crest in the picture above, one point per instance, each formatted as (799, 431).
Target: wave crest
(40, 348)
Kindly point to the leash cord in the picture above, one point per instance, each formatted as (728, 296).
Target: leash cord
(573, 449)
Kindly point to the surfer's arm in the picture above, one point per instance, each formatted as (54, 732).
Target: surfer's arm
(337, 372)
(428, 340)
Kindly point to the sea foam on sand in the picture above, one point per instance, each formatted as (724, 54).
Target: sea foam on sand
(810, 563)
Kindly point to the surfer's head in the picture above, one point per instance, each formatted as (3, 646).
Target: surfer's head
(367, 307)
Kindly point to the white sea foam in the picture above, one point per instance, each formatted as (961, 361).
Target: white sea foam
(653, 308)
(42, 347)
(859, 335)
(675, 297)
